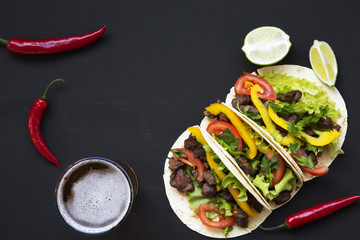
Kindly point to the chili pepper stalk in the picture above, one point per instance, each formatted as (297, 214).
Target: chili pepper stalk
(34, 121)
(314, 213)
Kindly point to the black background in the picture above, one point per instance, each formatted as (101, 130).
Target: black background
(132, 93)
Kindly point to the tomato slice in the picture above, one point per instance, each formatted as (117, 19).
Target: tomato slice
(278, 173)
(192, 162)
(218, 127)
(243, 87)
(224, 221)
(319, 170)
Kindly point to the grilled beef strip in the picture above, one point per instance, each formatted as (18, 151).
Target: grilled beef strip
(309, 131)
(253, 202)
(242, 219)
(175, 164)
(181, 181)
(198, 150)
(245, 165)
(209, 114)
(190, 143)
(209, 178)
(291, 97)
(222, 117)
(292, 118)
(241, 100)
(251, 109)
(226, 195)
(208, 190)
(328, 123)
(283, 197)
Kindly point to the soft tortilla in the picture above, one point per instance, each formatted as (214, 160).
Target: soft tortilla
(333, 94)
(206, 121)
(181, 206)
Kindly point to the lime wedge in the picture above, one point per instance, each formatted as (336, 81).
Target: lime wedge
(323, 62)
(266, 45)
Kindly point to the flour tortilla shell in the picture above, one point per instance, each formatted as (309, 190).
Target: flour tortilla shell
(181, 206)
(333, 95)
(206, 121)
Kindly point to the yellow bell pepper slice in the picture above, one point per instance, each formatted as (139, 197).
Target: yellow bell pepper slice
(243, 205)
(323, 139)
(213, 165)
(195, 131)
(217, 108)
(263, 147)
(266, 118)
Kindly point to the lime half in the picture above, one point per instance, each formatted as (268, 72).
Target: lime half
(323, 62)
(266, 45)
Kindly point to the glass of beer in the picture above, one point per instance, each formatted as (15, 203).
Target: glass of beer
(96, 194)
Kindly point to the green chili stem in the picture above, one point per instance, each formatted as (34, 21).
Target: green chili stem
(281, 226)
(4, 42)
(44, 97)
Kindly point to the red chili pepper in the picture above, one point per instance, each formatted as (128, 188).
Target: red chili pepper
(51, 46)
(34, 121)
(314, 213)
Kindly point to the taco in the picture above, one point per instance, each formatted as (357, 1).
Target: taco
(261, 165)
(205, 191)
(305, 119)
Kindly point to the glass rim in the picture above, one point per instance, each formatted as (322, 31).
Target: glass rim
(133, 192)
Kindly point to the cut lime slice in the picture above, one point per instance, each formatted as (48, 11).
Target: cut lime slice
(323, 62)
(266, 45)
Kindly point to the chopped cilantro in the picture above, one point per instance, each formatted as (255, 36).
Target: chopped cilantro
(253, 116)
(305, 161)
(229, 143)
(178, 153)
(293, 130)
(313, 118)
(229, 139)
(306, 120)
(227, 230)
(280, 108)
(294, 147)
(268, 165)
(315, 149)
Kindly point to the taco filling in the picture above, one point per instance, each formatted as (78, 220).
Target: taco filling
(213, 192)
(298, 115)
(262, 166)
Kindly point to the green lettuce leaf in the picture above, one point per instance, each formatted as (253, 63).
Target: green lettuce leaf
(287, 182)
(314, 99)
(334, 148)
(231, 179)
(196, 197)
(229, 144)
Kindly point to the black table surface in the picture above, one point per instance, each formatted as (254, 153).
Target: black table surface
(132, 93)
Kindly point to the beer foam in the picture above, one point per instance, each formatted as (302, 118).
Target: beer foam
(99, 200)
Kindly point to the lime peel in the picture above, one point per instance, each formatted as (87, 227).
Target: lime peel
(323, 62)
(266, 45)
